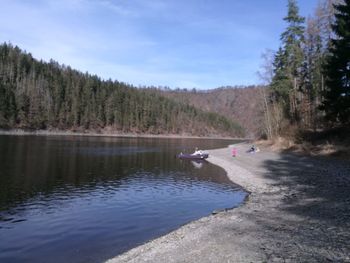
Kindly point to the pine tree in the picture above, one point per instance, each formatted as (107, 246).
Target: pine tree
(293, 38)
(316, 48)
(281, 84)
(289, 62)
(337, 97)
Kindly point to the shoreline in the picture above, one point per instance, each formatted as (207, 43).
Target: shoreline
(21, 132)
(292, 214)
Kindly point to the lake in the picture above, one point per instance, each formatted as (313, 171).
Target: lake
(87, 199)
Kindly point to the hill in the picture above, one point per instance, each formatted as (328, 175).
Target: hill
(240, 103)
(39, 95)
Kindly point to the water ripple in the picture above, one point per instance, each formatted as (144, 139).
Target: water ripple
(101, 198)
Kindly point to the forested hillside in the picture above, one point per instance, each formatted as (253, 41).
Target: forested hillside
(243, 104)
(39, 95)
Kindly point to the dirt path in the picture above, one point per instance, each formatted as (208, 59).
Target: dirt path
(298, 211)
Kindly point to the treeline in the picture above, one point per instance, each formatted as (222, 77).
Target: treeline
(39, 95)
(309, 75)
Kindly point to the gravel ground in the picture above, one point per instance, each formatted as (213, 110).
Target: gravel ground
(298, 210)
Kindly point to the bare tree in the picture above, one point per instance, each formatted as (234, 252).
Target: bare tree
(266, 74)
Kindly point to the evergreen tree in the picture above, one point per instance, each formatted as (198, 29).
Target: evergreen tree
(281, 84)
(337, 97)
(316, 48)
(289, 62)
(292, 40)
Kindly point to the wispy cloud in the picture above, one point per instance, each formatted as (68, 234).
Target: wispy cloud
(118, 9)
(183, 43)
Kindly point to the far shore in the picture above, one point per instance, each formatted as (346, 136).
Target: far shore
(20, 132)
(298, 210)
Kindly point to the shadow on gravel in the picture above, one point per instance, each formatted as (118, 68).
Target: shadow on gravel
(319, 188)
(312, 220)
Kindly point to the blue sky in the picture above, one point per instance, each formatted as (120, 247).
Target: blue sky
(199, 44)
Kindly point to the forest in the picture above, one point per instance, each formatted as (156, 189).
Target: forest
(308, 77)
(39, 95)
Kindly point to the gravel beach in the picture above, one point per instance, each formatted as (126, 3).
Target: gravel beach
(298, 210)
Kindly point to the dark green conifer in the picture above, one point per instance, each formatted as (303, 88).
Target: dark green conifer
(337, 96)
(288, 62)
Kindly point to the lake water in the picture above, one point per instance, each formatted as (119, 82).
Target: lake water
(87, 199)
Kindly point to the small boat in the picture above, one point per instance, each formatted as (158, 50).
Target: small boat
(193, 156)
